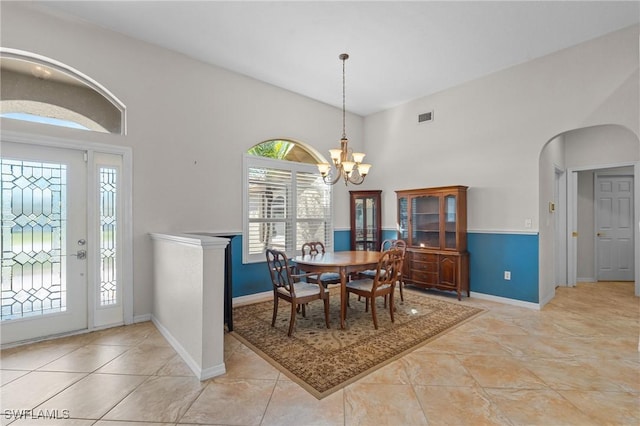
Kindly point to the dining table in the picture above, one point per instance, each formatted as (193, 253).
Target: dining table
(342, 262)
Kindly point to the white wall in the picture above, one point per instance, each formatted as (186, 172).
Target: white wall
(601, 145)
(552, 158)
(489, 133)
(188, 125)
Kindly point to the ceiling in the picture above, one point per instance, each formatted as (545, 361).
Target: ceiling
(398, 51)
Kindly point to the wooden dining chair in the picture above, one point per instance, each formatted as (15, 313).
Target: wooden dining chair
(386, 245)
(290, 287)
(383, 283)
(314, 248)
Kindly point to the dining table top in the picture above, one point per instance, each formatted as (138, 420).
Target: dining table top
(340, 258)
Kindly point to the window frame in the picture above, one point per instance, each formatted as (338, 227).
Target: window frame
(252, 161)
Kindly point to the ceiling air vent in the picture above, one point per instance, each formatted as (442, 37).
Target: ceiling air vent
(425, 117)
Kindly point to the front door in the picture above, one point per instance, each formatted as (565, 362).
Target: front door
(44, 232)
(614, 228)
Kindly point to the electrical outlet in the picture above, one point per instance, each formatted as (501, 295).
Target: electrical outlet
(507, 275)
(528, 223)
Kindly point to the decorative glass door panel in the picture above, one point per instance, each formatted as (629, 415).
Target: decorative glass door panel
(44, 288)
(450, 208)
(403, 219)
(108, 306)
(425, 218)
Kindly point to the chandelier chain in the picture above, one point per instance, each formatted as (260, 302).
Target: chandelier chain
(344, 132)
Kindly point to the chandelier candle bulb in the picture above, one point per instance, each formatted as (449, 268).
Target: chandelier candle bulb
(335, 154)
(363, 169)
(348, 166)
(358, 157)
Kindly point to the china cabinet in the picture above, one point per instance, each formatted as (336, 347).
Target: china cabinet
(433, 223)
(366, 220)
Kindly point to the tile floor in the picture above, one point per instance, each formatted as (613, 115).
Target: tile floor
(576, 362)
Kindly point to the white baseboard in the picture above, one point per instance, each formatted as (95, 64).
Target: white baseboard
(586, 280)
(252, 298)
(141, 318)
(506, 301)
(201, 374)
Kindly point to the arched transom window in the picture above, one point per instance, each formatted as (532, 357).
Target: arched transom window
(41, 90)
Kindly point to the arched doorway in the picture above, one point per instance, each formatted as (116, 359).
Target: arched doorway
(567, 236)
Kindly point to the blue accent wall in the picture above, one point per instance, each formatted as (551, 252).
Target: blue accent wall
(342, 240)
(247, 278)
(490, 256)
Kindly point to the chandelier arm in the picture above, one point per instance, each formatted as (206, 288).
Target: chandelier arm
(357, 181)
(331, 180)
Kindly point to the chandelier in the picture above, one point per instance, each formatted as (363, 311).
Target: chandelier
(347, 165)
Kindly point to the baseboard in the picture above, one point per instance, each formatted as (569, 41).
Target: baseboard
(586, 280)
(506, 301)
(252, 298)
(141, 318)
(547, 298)
(201, 374)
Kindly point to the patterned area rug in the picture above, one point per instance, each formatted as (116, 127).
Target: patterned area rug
(325, 360)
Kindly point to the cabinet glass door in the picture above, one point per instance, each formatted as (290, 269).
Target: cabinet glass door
(365, 220)
(403, 219)
(425, 219)
(450, 222)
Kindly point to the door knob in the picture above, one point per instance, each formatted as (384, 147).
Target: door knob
(600, 234)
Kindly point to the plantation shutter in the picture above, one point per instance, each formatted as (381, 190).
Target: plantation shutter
(286, 204)
(313, 204)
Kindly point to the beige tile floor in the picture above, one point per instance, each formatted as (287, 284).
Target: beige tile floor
(576, 362)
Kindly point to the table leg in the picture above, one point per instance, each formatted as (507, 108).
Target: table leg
(343, 296)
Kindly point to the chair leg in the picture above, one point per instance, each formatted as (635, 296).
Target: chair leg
(304, 310)
(391, 304)
(366, 304)
(400, 284)
(275, 310)
(292, 321)
(326, 311)
(373, 312)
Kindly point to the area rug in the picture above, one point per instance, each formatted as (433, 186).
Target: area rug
(325, 360)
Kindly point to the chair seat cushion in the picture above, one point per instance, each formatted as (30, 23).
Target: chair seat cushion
(330, 276)
(303, 289)
(368, 273)
(364, 285)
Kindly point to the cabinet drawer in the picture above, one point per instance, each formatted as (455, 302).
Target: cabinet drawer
(424, 257)
(424, 266)
(424, 277)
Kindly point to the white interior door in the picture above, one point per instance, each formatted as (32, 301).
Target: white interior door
(614, 228)
(44, 233)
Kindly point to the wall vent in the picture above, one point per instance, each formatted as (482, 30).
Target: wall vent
(425, 117)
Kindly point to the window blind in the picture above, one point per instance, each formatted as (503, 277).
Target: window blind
(286, 204)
